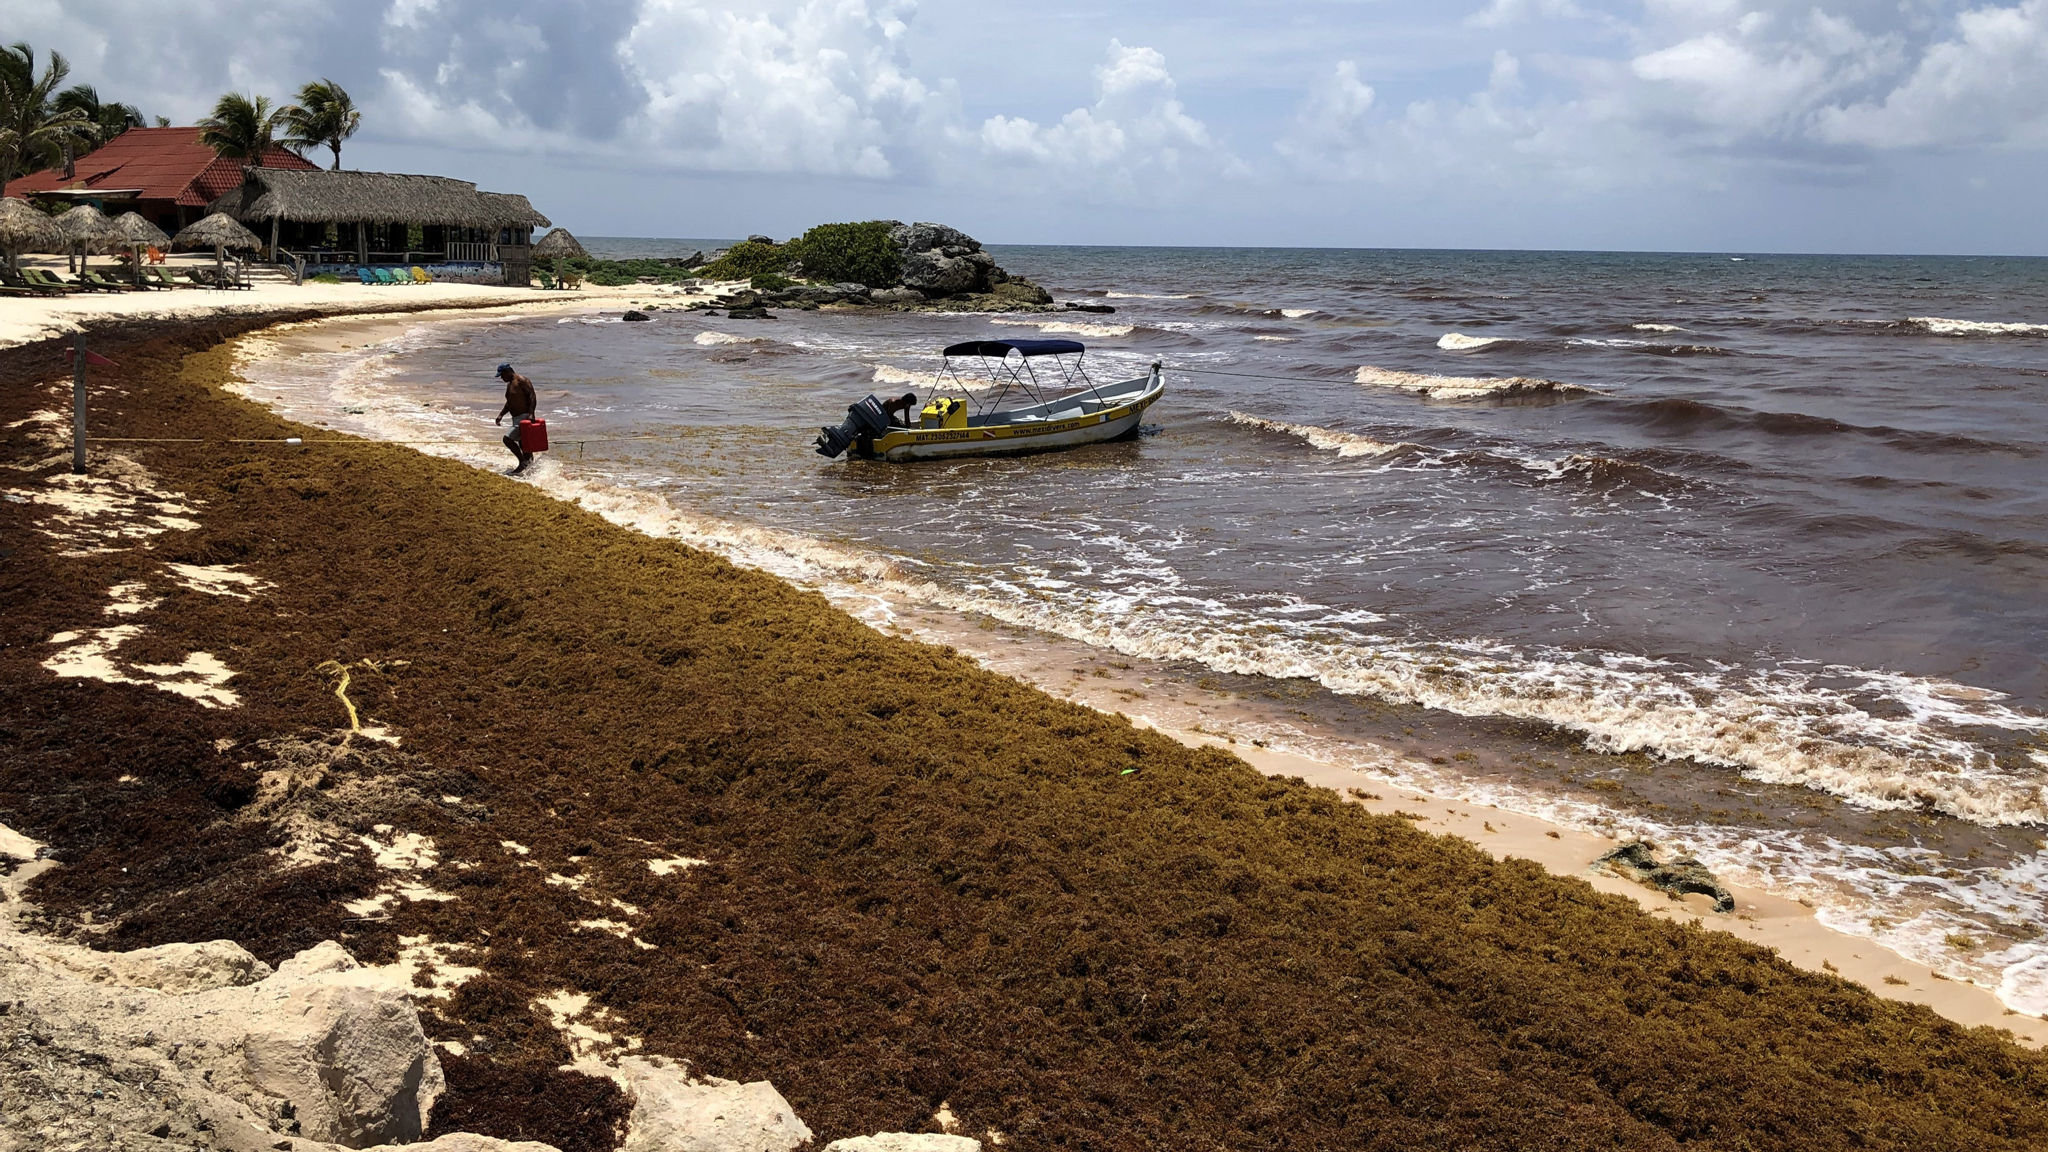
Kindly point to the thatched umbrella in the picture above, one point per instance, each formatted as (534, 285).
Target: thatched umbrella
(88, 231)
(25, 228)
(138, 233)
(558, 246)
(219, 232)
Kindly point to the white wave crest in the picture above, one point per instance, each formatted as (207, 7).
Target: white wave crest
(713, 339)
(1941, 326)
(1658, 328)
(1465, 387)
(1297, 313)
(1459, 342)
(1276, 339)
(1329, 439)
(1073, 328)
(1147, 296)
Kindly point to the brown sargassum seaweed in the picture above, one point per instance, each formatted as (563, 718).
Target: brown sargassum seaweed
(926, 883)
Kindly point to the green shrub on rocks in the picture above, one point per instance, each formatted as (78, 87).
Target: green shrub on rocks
(746, 260)
(769, 282)
(860, 253)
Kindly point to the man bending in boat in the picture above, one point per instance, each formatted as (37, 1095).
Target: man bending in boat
(899, 409)
(520, 403)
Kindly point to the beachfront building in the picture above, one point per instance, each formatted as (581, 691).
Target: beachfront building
(326, 221)
(163, 174)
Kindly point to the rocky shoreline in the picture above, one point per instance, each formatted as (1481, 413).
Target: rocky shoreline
(653, 826)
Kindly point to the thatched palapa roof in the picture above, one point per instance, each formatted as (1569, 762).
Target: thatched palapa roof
(136, 230)
(24, 228)
(558, 245)
(373, 198)
(216, 231)
(89, 228)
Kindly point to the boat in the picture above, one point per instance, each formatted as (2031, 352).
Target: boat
(1059, 407)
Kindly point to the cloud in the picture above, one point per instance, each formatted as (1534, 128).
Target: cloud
(1136, 128)
(1987, 84)
(1503, 13)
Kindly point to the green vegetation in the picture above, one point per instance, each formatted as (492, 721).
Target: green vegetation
(323, 116)
(746, 260)
(769, 282)
(615, 273)
(325, 278)
(924, 882)
(36, 130)
(859, 253)
(241, 127)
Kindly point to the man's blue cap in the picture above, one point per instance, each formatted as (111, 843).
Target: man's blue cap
(504, 368)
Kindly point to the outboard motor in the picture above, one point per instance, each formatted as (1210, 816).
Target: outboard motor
(864, 421)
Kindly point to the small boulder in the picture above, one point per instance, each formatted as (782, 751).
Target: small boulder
(935, 273)
(467, 1142)
(1637, 861)
(905, 1142)
(896, 296)
(673, 1114)
(1077, 306)
(635, 316)
(754, 313)
(757, 238)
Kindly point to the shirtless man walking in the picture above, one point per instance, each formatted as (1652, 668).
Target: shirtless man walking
(520, 403)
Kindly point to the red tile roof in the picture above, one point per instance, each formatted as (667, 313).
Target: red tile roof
(167, 164)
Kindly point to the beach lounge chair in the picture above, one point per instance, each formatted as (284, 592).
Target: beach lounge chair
(155, 255)
(52, 280)
(547, 279)
(13, 279)
(420, 275)
(199, 277)
(366, 276)
(161, 277)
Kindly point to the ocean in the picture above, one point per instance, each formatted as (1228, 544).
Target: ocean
(1741, 554)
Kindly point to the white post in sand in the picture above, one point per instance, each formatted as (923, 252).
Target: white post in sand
(78, 404)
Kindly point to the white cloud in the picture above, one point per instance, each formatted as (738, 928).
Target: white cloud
(1988, 84)
(1136, 128)
(1503, 13)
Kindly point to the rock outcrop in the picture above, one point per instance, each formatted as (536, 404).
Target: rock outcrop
(1637, 861)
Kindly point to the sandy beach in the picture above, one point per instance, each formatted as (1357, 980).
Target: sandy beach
(916, 889)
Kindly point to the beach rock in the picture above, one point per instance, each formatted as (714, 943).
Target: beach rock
(905, 1142)
(172, 968)
(635, 316)
(671, 1113)
(897, 296)
(754, 313)
(1018, 290)
(757, 238)
(1077, 306)
(848, 288)
(924, 236)
(1637, 861)
(935, 272)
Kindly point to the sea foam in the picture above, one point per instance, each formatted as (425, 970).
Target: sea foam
(1073, 328)
(713, 339)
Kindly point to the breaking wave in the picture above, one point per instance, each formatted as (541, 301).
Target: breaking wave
(1467, 387)
(1941, 326)
(1459, 342)
(1328, 439)
(1073, 327)
(714, 339)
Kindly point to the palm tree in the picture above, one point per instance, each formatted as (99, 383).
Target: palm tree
(34, 131)
(241, 127)
(111, 118)
(323, 115)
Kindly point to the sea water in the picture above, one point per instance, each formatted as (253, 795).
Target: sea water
(1742, 555)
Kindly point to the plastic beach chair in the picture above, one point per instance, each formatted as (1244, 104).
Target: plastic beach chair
(420, 276)
(21, 283)
(161, 277)
(40, 278)
(366, 276)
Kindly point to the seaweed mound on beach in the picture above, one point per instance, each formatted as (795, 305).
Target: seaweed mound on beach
(662, 806)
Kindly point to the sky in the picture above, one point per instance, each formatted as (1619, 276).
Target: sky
(1666, 125)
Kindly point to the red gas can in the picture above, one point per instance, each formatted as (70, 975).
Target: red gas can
(533, 435)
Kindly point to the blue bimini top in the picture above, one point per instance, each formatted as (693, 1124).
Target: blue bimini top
(1001, 348)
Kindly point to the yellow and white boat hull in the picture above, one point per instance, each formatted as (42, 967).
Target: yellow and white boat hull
(1089, 417)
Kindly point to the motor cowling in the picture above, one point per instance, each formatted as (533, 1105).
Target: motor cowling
(864, 421)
